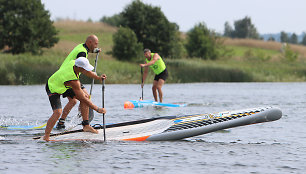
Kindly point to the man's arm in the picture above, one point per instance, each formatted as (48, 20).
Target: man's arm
(93, 75)
(80, 95)
(155, 58)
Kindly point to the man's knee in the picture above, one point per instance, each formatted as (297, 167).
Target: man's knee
(83, 104)
(57, 112)
(73, 101)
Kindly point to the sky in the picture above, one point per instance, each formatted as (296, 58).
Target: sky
(268, 16)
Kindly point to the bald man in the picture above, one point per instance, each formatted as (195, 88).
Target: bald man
(81, 50)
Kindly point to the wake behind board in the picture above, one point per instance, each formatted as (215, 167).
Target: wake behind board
(43, 126)
(174, 127)
(142, 103)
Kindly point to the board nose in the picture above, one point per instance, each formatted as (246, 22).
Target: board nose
(128, 105)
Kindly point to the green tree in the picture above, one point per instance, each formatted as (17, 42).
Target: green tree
(284, 37)
(293, 39)
(126, 46)
(304, 40)
(228, 30)
(201, 42)
(152, 28)
(25, 26)
(245, 29)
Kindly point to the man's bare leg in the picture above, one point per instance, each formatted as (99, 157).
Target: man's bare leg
(160, 84)
(85, 112)
(51, 122)
(154, 90)
(71, 103)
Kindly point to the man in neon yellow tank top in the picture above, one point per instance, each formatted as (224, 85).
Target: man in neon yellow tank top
(81, 50)
(156, 63)
(64, 79)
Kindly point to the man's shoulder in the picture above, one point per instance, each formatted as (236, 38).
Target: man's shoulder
(156, 56)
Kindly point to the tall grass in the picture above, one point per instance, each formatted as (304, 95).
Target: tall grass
(26, 69)
(196, 70)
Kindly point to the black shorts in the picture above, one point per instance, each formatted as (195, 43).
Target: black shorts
(55, 99)
(163, 75)
(70, 93)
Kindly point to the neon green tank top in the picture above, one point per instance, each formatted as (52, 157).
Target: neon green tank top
(64, 74)
(159, 66)
(73, 54)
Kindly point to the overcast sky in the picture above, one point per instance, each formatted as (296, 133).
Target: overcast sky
(268, 16)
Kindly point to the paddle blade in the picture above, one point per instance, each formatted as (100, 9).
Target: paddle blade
(91, 115)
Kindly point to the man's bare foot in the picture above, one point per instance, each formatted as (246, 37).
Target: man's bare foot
(46, 138)
(88, 128)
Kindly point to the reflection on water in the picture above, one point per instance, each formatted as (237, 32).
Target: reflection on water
(274, 147)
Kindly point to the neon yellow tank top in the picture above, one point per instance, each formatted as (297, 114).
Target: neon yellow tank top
(73, 54)
(159, 66)
(64, 74)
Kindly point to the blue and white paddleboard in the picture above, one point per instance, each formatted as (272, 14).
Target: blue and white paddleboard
(142, 103)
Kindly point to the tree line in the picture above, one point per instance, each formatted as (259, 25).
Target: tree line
(25, 26)
(244, 28)
(293, 38)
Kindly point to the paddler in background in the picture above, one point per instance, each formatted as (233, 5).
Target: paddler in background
(65, 81)
(81, 50)
(156, 63)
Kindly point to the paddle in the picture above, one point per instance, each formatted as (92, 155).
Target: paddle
(103, 88)
(141, 70)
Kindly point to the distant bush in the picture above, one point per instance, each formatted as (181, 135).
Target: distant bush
(201, 42)
(126, 46)
(290, 55)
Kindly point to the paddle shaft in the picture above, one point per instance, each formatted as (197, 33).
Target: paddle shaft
(141, 69)
(95, 68)
(103, 88)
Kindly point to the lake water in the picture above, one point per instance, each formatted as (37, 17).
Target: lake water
(274, 147)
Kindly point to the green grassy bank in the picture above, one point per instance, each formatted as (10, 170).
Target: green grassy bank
(243, 61)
